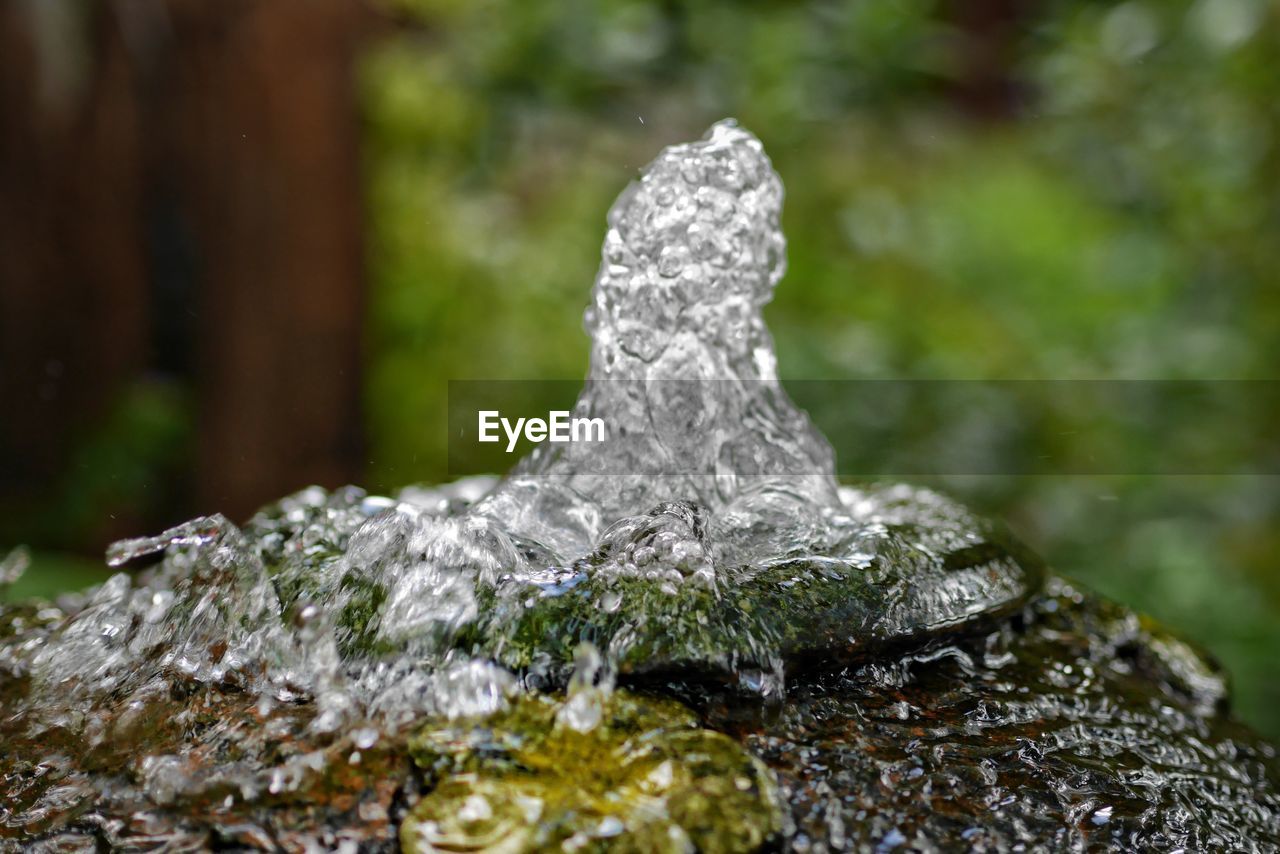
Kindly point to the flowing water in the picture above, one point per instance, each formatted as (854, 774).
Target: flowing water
(807, 666)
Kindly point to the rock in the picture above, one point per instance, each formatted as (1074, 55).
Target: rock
(642, 777)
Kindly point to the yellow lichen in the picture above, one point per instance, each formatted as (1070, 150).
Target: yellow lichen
(646, 778)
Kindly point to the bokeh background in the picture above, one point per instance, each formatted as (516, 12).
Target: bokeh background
(244, 244)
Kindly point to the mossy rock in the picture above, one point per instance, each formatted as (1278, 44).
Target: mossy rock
(603, 770)
(924, 568)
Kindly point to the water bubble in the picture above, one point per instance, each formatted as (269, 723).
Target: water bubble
(13, 565)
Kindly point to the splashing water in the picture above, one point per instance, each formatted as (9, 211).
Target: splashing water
(256, 686)
(681, 358)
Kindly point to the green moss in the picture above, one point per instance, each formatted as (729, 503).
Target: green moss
(645, 778)
(934, 569)
(357, 621)
(687, 626)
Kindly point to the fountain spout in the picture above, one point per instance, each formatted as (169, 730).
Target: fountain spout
(683, 368)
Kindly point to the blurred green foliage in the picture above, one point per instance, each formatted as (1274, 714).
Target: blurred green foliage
(124, 467)
(1119, 222)
(51, 573)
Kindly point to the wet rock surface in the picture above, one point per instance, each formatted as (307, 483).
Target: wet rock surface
(1075, 726)
(859, 668)
(1072, 724)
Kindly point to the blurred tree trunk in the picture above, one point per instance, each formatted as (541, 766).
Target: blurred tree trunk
(987, 82)
(187, 203)
(73, 289)
(265, 136)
